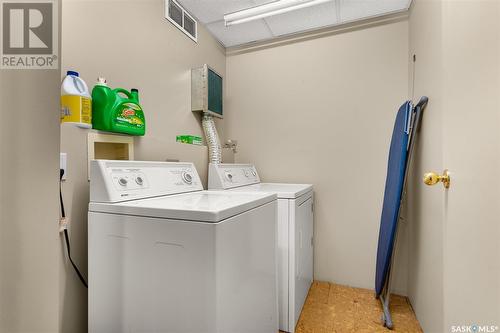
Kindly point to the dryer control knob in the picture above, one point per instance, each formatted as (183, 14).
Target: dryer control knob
(187, 178)
(139, 180)
(122, 182)
(229, 176)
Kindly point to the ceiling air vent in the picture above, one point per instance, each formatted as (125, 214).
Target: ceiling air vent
(179, 17)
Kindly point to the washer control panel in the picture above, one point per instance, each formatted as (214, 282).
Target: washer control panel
(129, 179)
(115, 181)
(225, 175)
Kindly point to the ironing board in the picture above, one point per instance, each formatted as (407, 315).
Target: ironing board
(403, 140)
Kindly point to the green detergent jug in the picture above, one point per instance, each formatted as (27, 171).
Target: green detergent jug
(117, 110)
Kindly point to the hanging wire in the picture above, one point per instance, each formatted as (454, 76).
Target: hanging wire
(66, 236)
(413, 78)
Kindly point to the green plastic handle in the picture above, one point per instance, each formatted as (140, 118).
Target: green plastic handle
(123, 91)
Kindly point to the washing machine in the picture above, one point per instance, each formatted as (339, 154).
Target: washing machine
(167, 256)
(295, 233)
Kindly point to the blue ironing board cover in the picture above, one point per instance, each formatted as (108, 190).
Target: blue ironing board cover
(394, 183)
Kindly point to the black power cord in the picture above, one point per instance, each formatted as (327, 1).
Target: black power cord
(65, 230)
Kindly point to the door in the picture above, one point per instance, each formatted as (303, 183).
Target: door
(471, 150)
(454, 252)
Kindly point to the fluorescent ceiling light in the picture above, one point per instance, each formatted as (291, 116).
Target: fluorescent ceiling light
(268, 9)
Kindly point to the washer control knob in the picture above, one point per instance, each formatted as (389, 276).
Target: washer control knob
(187, 178)
(139, 180)
(122, 181)
(247, 174)
(254, 173)
(229, 176)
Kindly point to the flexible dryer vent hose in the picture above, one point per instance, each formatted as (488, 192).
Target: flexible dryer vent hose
(213, 143)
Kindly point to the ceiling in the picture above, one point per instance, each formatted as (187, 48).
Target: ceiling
(211, 14)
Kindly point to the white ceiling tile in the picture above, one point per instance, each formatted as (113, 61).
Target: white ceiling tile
(208, 11)
(261, 2)
(211, 14)
(314, 17)
(240, 33)
(351, 10)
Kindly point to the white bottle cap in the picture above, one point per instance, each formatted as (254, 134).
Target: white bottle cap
(101, 81)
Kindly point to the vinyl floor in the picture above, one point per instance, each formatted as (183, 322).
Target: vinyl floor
(332, 308)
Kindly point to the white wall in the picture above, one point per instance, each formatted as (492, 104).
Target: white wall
(321, 111)
(29, 200)
(131, 44)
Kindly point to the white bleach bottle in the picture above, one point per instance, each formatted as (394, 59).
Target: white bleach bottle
(76, 103)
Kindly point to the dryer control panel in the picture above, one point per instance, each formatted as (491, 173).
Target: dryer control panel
(116, 181)
(225, 176)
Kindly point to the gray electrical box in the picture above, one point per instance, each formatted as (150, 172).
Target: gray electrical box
(206, 91)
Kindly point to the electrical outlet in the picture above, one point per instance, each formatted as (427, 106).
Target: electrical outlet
(63, 164)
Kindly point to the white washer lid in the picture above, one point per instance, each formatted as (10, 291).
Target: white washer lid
(203, 206)
(283, 190)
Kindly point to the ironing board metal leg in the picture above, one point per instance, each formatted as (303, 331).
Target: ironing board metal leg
(386, 316)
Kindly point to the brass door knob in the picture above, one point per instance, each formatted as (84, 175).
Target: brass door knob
(432, 178)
